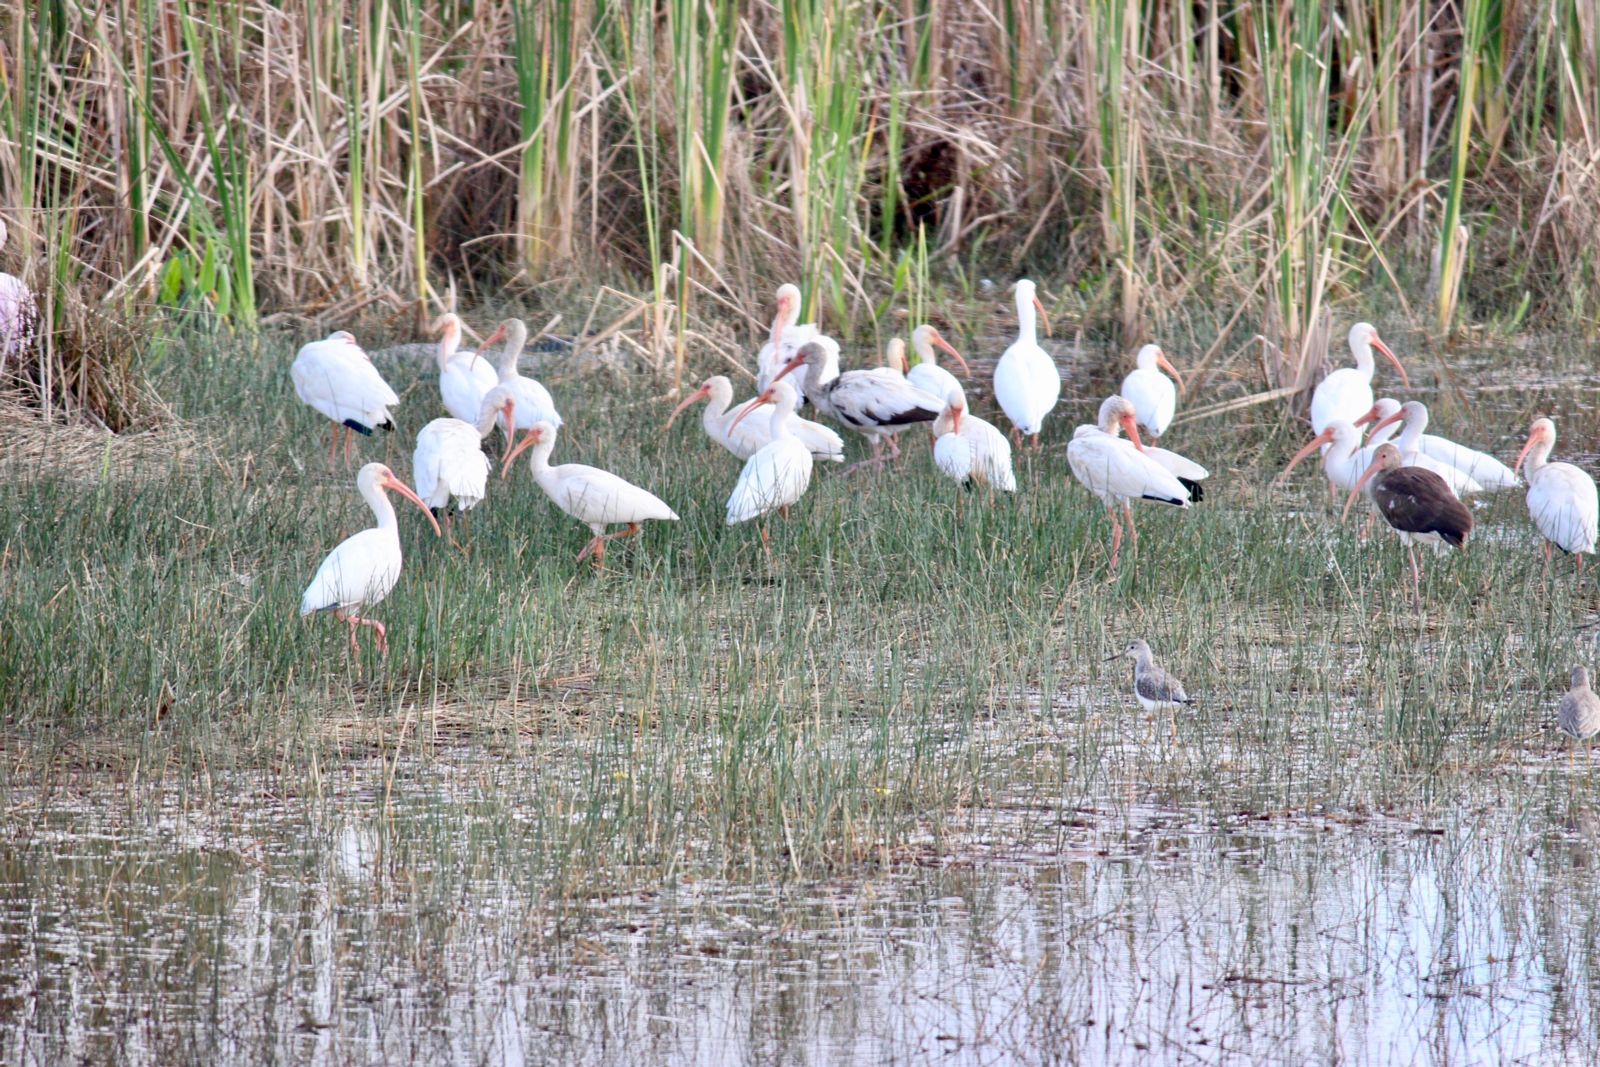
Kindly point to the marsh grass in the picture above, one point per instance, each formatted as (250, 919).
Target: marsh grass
(914, 659)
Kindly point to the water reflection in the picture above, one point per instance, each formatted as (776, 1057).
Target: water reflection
(403, 932)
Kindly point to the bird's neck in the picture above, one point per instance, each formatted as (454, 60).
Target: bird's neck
(1027, 322)
(382, 509)
(506, 366)
(487, 421)
(1364, 363)
(539, 459)
(1538, 457)
(446, 351)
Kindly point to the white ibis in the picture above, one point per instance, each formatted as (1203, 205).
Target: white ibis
(1026, 382)
(970, 449)
(1347, 392)
(1118, 471)
(1343, 458)
(1417, 505)
(449, 460)
(927, 375)
(533, 401)
(337, 378)
(364, 567)
(785, 340)
(1561, 497)
(594, 497)
(19, 313)
(463, 376)
(877, 402)
(1152, 394)
(744, 436)
(1481, 467)
(1579, 714)
(1414, 415)
(779, 472)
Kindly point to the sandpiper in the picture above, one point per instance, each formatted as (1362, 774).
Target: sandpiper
(1579, 716)
(1152, 685)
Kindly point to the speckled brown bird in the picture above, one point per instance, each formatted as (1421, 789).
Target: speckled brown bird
(1417, 505)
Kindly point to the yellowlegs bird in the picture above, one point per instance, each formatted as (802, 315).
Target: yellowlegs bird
(1153, 687)
(1579, 717)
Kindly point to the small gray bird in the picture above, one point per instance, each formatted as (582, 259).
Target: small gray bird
(1579, 716)
(1152, 685)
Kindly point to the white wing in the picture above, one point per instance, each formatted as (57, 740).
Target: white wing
(1345, 394)
(361, 570)
(1154, 399)
(462, 384)
(773, 478)
(953, 455)
(1564, 506)
(932, 379)
(534, 403)
(822, 442)
(1479, 466)
(1181, 466)
(1027, 385)
(337, 379)
(1115, 471)
(881, 399)
(600, 498)
(449, 462)
(771, 358)
(991, 453)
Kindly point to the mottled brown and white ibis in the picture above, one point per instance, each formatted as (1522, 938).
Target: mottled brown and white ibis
(1417, 505)
(876, 402)
(365, 566)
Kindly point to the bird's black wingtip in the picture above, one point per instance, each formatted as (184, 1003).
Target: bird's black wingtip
(364, 431)
(1197, 492)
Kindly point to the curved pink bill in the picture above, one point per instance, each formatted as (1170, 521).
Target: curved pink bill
(1377, 342)
(702, 393)
(1323, 438)
(940, 342)
(391, 482)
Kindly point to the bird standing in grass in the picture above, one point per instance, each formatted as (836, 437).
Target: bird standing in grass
(1152, 394)
(969, 449)
(337, 378)
(594, 497)
(1579, 715)
(1417, 504)
(449, 460)
(1153, 687)
(1026, 381)
(366, 565)
(463, 376)
(779, 472)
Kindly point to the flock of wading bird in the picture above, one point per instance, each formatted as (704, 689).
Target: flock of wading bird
(1414, 480)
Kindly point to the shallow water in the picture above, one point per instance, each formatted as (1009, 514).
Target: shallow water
(360, 929)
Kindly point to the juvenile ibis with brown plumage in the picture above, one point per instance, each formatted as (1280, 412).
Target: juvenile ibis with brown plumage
(1417, 505)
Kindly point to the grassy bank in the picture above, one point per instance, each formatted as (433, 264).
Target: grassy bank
(838, 707)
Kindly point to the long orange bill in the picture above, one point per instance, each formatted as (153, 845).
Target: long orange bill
(940, 342)
(1372, 413)
(1323, 438)
(1131, 424)
(1044, 315)
(794, 364)
(763, 398)
(1164, 364)
(522, 445)
(1366, 477)
(1381, 347)
(1516, 468)
(699, 394)
(1390, 421)
(404, 490)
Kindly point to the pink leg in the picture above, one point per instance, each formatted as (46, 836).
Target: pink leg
(333, 446)
(379, 634)
(1133, 531)
(1116, 535)
(597, 547)
(349, 439)
(766, 543)
(1416, 577)
(1036, 442)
